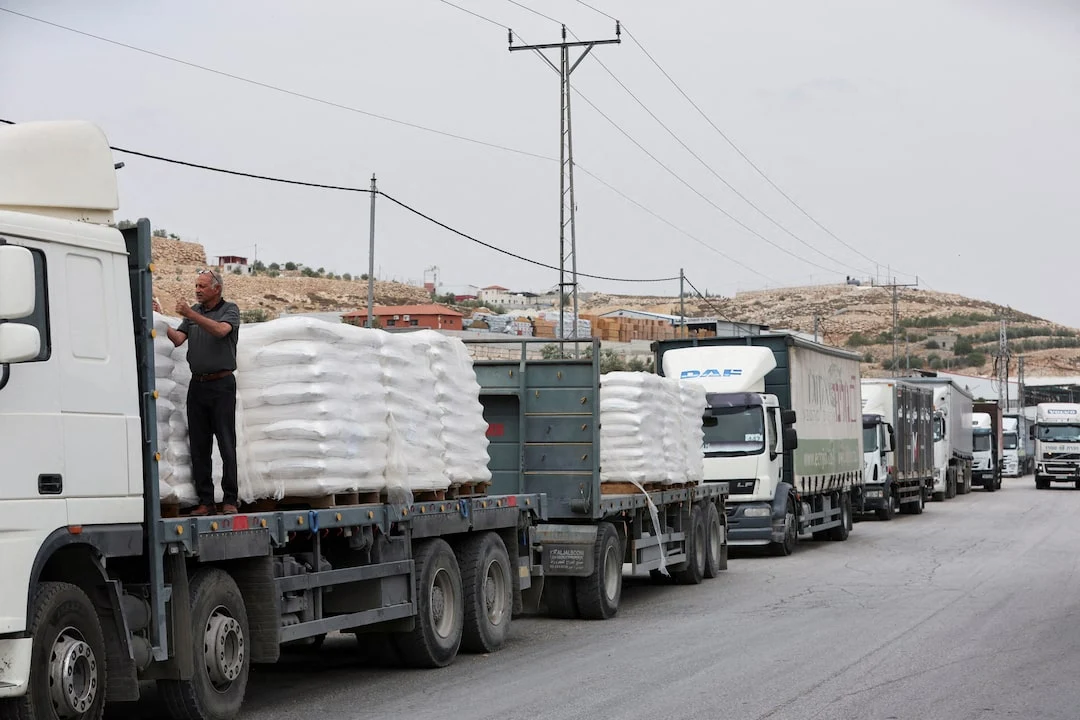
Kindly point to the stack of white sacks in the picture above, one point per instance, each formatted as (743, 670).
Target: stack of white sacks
(650, 429)
(331, 408)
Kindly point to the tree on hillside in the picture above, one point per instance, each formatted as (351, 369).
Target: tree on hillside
(290, 266)
(274, 266)
(160, 233)
(346, 276)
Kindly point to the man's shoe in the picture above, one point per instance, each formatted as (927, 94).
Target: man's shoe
(229, 509)
(200, 511)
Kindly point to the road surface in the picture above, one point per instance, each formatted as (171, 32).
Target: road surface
(971, 610)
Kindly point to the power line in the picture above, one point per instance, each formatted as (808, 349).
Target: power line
(731, 142)
(717, 175)
(713, 307)
(534, 12)
(346, 188)
(286, 91)
(474, 14)
(670, 224)
(697, 192)
(515, 255)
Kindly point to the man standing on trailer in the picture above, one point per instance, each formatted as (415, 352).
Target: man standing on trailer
(213, 326)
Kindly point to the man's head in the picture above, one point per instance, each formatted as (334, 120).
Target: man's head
(208, 287)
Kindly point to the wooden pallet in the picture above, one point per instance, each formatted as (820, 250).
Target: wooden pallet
(327, 502)
(170, 510)
(628, 488)
(465, 490)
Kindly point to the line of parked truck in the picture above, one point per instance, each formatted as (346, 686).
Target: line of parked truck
(105, 593)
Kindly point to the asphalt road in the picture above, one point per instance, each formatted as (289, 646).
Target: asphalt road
(971, 610)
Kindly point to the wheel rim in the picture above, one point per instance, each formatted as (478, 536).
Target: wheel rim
(442, 603)
(223, 648)
(714, 538)
(612, 573)
(73, 676)
(495, 593)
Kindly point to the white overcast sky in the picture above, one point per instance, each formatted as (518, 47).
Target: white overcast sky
(936, 136)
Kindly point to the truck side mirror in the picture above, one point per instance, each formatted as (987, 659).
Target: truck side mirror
(18, 343)
(892, 438)
(787, 417)
(791, 439)
(18, 283)
(1031, 432)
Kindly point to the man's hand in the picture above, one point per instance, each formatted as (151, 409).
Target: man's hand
(157, 307)
(183, 309)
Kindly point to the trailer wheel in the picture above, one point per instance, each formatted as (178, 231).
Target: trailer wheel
(560, 597)
(889, 511)
(1042, 483)
(68, 674)
(791, 533)
(598, 594)
(716, 549)
(219, 635)
(950, 483)
(434, 640)
(489, 592)
(693, 570)
(841, 532)
(915, 508)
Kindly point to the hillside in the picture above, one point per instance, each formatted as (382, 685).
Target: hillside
(176, 263)
(943, 330)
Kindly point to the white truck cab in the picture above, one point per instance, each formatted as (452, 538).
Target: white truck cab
(983, 453)
(1057, 444)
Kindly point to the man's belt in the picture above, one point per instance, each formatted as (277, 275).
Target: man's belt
(208, 377)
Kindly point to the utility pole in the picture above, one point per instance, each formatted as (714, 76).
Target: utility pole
(682, 303)
(1020, 383)
(371, 259)
(1001, 365)
(896, 319)
(567, 207)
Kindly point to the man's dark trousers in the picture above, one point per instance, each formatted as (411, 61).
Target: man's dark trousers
(211, 411)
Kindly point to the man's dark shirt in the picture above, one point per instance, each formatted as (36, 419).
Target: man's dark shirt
(206, 353)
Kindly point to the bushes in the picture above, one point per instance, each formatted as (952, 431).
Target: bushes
(857, 339)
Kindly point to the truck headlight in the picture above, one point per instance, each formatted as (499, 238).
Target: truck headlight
(758, 511)
(874, 493)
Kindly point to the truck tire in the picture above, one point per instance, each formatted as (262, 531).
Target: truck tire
(67, 660)
(222, 663)
(1042, 483)
(950, 484)
(693, 570)
(488, 590)
(841, 532)
(791, 533)
(889, 511)
(436, 636)
(598, 594)
(560, 597)
(716, 548)
(915, 508)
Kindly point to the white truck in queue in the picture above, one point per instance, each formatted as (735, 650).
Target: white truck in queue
(1057, 444)
(897, 446)
(760, 389)
(952, 435)
(987, 442)
(1017, 445)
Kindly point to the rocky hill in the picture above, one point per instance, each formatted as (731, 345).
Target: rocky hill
(937, 330)
(176, 264)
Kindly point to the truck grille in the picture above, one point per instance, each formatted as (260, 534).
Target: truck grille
(741, 487)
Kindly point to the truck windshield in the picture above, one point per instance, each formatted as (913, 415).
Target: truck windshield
(982, 442)
(1058, 433)
(734, 431)
(1010, 441)
(939, 428)
(869, 438)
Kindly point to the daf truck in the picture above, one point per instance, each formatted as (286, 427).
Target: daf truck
(987, 442)
(1056, 433)
(897, 446)
(1017, 445)
(783, 428)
